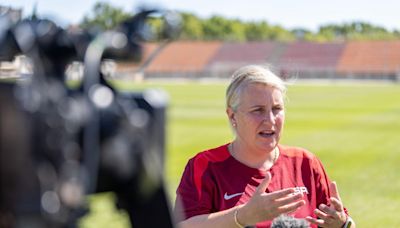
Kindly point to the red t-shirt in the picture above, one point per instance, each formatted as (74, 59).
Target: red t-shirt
(214, 181)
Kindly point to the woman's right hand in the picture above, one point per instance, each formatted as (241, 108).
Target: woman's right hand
(266, 206)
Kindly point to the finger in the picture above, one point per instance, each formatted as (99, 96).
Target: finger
(288, 208)
(334, 190)
(329, 211)
(337, 205)
(289, 199)
(318, 222)
(264, 184)
(282, 193)
(320, 214)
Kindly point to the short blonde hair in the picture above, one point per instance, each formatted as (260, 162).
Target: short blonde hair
(247, 75)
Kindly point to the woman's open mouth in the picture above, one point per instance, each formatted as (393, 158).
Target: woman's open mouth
(267, 133)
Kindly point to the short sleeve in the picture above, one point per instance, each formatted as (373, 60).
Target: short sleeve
(194, 193)
(321, 182)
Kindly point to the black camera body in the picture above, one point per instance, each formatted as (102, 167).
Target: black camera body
(59, 144)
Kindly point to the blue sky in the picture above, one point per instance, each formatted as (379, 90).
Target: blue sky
(308, 14)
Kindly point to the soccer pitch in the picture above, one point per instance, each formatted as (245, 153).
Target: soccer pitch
(353, 128)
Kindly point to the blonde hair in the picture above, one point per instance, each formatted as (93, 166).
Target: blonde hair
(247, 75)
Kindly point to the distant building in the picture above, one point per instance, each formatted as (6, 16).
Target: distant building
(20, 64)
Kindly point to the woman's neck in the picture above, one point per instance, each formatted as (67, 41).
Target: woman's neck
(263, 160)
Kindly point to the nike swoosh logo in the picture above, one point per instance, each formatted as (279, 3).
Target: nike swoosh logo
(228, 197)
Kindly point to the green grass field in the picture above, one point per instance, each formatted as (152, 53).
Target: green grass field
(353, 128)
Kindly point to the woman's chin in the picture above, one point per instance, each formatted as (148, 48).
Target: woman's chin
(268, 146)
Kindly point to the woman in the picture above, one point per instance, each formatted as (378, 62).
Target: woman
(254, 179)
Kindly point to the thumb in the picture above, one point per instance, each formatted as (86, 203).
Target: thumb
(264, 184)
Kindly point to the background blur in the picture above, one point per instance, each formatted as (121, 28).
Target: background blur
(341, 60)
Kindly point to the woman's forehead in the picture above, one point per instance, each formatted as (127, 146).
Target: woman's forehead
(261, 89)
(257, 93)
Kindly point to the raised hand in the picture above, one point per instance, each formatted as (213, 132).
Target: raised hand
(332, 216)
(266, 206)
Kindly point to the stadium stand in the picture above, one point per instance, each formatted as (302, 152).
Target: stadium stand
(183, 59)
(378, 60)
(231, 56)
(310, 60)
(370, 59)
(353, 59)
(126, 69)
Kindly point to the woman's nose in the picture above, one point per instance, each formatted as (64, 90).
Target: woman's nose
(269, 117)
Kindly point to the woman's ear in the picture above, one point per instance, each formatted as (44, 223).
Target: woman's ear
(231, 116)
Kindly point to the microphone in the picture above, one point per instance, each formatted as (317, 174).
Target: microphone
(285, 221)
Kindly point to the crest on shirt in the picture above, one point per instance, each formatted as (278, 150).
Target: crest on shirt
(303, 190)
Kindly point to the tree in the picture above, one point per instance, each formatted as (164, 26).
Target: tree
(215, 28)
(281, 34)
(192, 27)
(356, 31)
(104, 16)
(257, 31)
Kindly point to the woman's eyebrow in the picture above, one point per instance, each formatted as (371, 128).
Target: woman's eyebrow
(257, 106)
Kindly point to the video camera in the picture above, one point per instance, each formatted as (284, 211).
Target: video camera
(58, 144)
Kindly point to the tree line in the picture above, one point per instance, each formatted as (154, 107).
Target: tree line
(106, 16)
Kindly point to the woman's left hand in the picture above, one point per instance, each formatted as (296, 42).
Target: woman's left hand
(332, 216)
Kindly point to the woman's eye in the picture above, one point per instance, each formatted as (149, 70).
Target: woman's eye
(259, 110)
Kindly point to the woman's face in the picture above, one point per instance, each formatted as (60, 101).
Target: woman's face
(259, 118)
